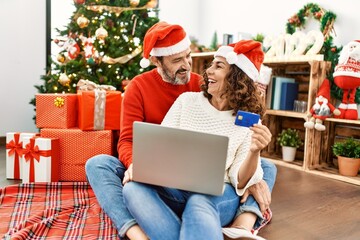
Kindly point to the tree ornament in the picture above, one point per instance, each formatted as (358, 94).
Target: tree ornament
(91, 61)
(79, 1)
(73, 51)
(61, 58)
(82, 21)
(101, 33)
(134, 3)
(152, 4)
(88, 47)
(64, 80)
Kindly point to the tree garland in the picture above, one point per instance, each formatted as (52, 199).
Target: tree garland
(331, 52)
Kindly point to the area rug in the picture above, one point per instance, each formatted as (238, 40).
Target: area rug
(62, 210)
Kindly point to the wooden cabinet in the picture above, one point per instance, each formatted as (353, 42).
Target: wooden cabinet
(309, 76)
(315, 156)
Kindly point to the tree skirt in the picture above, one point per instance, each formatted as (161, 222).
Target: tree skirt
(62, 210)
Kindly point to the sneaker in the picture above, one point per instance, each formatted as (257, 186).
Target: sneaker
(239, 233)
(267, 218)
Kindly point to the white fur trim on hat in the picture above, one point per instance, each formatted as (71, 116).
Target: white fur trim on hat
(346, 73)
(174, 49)
(265, 74)
(240, 60)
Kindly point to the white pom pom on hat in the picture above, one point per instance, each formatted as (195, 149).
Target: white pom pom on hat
(144, 63)
(163, 39)
(245, 54)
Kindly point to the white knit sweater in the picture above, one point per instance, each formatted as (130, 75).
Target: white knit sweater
(193, 111)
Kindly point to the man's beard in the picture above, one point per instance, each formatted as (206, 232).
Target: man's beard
(174, 80)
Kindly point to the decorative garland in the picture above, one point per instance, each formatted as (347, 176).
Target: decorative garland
(326, 20)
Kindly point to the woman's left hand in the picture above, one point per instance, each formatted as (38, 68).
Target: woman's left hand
(261, 137)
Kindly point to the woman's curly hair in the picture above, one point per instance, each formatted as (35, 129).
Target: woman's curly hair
(241, 91)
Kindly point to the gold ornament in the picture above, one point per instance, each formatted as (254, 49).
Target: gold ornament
(101, 33)
(134, 3)
(61, 58)
(64, 80)
(152, 4)
(59, 102)
(82, 22)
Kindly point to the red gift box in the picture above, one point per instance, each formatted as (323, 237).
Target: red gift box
(56, 110)
(40, 159)
(99, 110)
(76, 147)
(14, 152)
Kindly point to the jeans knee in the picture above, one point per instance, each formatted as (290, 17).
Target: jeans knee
(273, 169)
(97, 161)
(129, 189)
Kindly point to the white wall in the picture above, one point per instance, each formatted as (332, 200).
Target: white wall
(256, 16)
(22, 61)
(22, 44)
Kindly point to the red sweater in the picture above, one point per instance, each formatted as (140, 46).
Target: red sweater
(148, 98)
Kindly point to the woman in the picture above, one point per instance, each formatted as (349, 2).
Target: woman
(229, 87)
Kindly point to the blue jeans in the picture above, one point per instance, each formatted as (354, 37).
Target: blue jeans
(251, 205)
(105, 174)
(172, 214)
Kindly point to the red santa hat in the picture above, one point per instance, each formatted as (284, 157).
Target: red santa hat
(324, 89)
(245, 54)
(349, 61)
(163, 39)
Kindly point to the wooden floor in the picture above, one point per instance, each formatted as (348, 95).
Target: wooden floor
(305, 206)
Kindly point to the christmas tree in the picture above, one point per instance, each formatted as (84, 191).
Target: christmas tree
(102, 43)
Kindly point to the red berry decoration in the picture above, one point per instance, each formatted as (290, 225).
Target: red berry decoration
(79, 1)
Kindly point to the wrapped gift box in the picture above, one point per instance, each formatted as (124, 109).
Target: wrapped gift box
(40, 159)
(56, 110)
(76, 147)
(99, 110)
(14, 152)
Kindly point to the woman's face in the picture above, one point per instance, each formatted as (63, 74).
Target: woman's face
(216, 76)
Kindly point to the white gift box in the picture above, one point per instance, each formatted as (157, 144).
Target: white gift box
(40, 159)
(14, 152)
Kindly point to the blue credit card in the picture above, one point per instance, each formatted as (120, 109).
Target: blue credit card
(246, 119)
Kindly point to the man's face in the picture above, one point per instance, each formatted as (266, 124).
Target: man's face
(175, 68)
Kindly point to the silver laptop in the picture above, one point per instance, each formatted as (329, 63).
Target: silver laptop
(177, 158)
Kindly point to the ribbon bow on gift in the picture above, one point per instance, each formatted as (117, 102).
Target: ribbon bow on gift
(100, 100)
(87, 85)
(15, 149)
(32, 152)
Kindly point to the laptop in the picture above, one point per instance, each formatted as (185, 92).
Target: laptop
(177, 158)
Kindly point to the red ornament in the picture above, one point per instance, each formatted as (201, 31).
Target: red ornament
(318, 15)
(73, 51)
(79, 1)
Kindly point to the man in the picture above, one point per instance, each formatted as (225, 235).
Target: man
(148, 97)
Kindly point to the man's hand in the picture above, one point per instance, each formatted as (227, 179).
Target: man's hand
(261, 193)
(128, 175)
